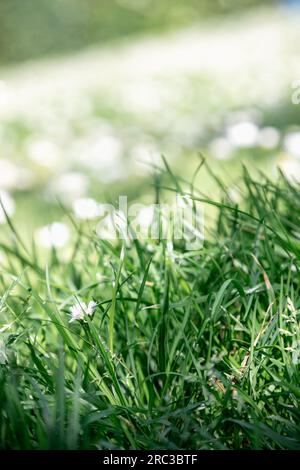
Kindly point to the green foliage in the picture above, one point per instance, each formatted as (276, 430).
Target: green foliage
(185, 350)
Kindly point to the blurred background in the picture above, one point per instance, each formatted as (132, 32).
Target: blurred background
(92, 92)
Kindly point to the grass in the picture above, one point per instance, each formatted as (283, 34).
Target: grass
(185, 350)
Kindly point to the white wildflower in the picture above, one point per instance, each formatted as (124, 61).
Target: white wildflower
(43, 152)
(8, 174)
(70, 186)
(103, 156)
(81, 309)
(290, 168)
(86, 208)
(269, 137)
(243, 134)
(77, 313)
(55, 235)
(292, 144)
(90, 308)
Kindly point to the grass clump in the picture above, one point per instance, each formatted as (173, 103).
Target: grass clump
(183, 350)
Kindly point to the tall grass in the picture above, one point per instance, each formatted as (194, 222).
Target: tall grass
(185, 350)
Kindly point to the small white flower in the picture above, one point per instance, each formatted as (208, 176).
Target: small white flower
(292, 144)
(103, 156)
(269, 137)
(70, 186)
(81, 309)
(243, 134)
(290, 167)
(86, 209)
(43, 152)
(77, 313)
(9, 174)
(90, 308)
(55, 235)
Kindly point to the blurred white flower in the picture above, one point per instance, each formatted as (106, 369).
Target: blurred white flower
(44, 152)
(8, 174)
(104, 152)
(86, 208)
(290, 168)
(269, 137)
(292, 144)
(144, 156)
(103, 156)
(12, 176)
(81, 309)
(243, 134)
(89, 310)
(55, 235)
(70, 186)
(8, 204)
(77, 313)
(221, 148)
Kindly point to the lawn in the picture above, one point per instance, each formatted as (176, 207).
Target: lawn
(140, 344)
(174, 325)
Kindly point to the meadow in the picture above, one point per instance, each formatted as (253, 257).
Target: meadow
(111, 341)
